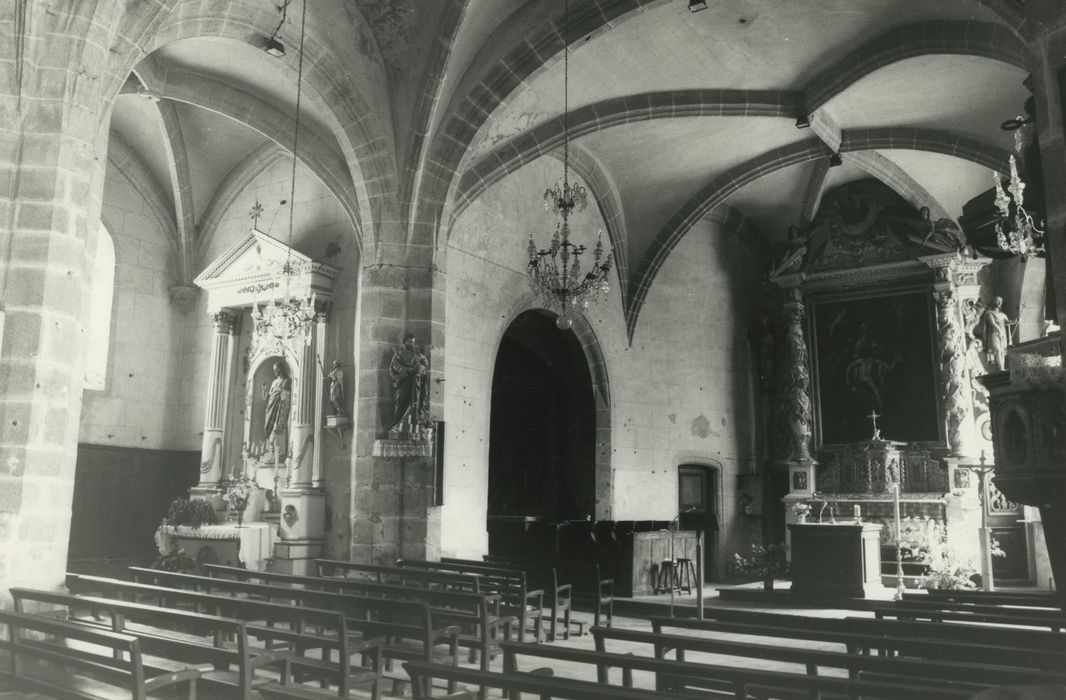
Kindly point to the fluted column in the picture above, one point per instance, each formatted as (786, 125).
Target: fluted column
(321, 328)
(223, 350)
(303, 423)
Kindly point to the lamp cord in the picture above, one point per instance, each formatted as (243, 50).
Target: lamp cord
(295, 141)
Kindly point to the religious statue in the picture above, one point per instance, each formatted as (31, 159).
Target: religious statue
(336, 387)
(408, 371)
(276, 420)
(995, 330)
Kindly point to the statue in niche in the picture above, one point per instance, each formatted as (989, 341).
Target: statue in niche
(408, 371)
(996, 337)
(278, 397)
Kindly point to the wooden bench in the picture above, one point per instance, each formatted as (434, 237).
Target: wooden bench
(947, 611)
(513, 684)
(682, 677)
(869, 639)
(589, 585)
(206, 640)
(89, 655)
(544, 577)
(522, 602)
(950, 674)
(1019, 638)
(406, 626)
(398, 575)
(1034, 599)
(320, 639)
(476, 614)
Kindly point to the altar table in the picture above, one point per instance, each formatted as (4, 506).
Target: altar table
(249, 545)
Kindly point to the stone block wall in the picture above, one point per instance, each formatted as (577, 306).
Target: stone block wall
(683, 392)
(138, 406)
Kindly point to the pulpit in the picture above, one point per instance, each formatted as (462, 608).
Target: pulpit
(835, 560)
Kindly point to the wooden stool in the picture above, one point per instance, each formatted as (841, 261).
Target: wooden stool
(686, 575)
(668, 580)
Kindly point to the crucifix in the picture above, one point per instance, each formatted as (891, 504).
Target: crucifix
(873, 417)
(254, 213)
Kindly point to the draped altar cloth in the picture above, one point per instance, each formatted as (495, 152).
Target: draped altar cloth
(255, 540)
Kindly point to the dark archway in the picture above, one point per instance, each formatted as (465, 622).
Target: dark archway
(542, 432)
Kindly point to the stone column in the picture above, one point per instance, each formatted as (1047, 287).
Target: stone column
(795, 379)
(392, 508)
(53, 151)
(212, 450)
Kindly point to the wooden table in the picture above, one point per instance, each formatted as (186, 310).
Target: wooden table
(835, 560)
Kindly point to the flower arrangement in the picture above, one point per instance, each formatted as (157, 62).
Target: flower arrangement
(766, 561)
(190, 512)
(925, 540)
(801, 509)
(238, 492)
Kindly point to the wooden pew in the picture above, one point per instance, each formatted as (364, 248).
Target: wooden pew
(476, 614)
(207, 639)
(589, 585)
(539, 685)
(681, 677)
(969, 615)
(545, 577)
(306, 630)
(104, 656)
(407, 626)
(1017, 638)
(951, 674)
(398, 575)
(870, 639)
(521, 601)
(1035, 599)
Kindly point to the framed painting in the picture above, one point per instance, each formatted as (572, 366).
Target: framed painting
(875, 354)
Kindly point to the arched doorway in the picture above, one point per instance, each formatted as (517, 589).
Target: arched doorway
(542, 434)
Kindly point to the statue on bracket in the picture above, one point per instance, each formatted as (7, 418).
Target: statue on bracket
(996, 335)
(336, 386)
(408, 371)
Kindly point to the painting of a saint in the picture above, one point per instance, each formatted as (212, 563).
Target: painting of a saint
(875, 354)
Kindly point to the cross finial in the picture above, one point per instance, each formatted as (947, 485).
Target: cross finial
(254, 213)
(873, 417)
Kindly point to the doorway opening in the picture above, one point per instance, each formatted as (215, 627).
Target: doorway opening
(542, 431)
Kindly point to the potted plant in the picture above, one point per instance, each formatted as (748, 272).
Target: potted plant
(189, 512)
(766, 561)
(801, 510)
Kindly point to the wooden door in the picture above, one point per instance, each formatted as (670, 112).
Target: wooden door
(697, 496)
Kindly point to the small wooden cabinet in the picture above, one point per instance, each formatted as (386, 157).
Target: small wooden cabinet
(835, 560)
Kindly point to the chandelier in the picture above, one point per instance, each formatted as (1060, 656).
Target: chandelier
(287, 319)
(1016, 232)
(555, 274)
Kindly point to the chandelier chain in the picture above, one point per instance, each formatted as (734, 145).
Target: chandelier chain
(566, 95)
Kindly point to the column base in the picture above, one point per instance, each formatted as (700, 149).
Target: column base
(296, 557)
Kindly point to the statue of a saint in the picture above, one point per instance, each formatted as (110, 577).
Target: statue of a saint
(336, 387)
(996, 338)
(408, 370)
(276, 420)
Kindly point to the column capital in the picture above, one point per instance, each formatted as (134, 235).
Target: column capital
(224, 322)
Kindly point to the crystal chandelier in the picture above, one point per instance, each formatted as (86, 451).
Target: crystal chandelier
(286, 319)
(1016, 232)
(555, 274)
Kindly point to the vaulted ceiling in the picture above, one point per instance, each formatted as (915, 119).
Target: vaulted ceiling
(674, 116)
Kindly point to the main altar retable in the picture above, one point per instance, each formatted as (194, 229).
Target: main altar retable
(273, 438)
